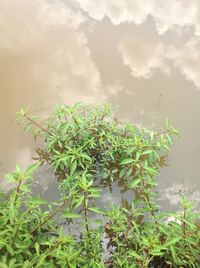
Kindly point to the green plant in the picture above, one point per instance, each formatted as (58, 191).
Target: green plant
(90, 150)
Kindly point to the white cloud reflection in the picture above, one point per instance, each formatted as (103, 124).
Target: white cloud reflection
(168, 15)
(187, 59)
(47, 35)
(145, 58)
(24, 23)
(44, 59)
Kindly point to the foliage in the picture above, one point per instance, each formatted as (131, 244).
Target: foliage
(90, 150)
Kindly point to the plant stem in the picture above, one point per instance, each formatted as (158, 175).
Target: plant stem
(85, 213)
(49, 217)
(74, 118)
(15, 235)
(148, 199)
(40, 127)
(48, 252)
(164, 132)
(184, 226)
(17, 229)
(17, 190)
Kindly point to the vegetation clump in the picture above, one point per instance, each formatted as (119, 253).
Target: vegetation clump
(89, 151)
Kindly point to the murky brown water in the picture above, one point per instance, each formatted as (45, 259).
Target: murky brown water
(141, 56)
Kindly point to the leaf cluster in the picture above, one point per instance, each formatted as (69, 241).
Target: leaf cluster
(89, 150)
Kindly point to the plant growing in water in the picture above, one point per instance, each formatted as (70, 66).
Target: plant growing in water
(90, 151)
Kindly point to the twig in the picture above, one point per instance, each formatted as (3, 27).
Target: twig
(148, 200)
(17, 191)
(85, 213)
(49, 217)
(40, 127)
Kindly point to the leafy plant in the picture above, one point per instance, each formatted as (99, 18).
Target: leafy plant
(90, 150)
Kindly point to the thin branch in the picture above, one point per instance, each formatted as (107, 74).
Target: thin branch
(17, 191)
(85, 213)
(164, 132)
(49, 217)
(148, 199)
(17, 229)
(40, 127)
(15, 235)
(76, 122)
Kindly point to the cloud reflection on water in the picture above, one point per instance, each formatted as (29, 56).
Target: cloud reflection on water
(167, 15)
(43, 56)
(144, 59)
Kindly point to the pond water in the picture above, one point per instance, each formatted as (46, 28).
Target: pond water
(143, 57)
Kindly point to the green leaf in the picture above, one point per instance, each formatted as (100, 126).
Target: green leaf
(18, 170)
(191, 224)
(28, 127)
(86, 157)
(147, 152)
(172, 241)
(71, 215)
(37, 201)
(79, 201)
(73, 167)
(37, 248)
(134, 183)
(3, 265)
(151, 170)
(127, 161)
(10, 249)
(157, 252)
(137, 256)
(174, 255)
(32, 168)
(129, 172)
(10, 177)
(11, 263)
(121, 174)
(97, 210)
